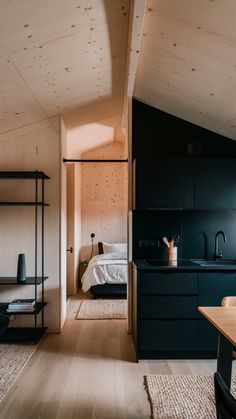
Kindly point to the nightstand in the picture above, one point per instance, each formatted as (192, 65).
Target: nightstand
(82, 268)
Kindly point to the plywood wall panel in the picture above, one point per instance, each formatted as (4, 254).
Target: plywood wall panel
(62, 223)
(17, 105)
(78, 222)
(104, 198)
(31, 150)
(93, 127)
(68, 54)
(218, 17)
(186, 65)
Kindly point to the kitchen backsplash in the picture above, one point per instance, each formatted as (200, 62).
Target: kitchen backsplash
(196, 228)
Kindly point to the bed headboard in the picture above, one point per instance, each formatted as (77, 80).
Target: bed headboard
(100, 248)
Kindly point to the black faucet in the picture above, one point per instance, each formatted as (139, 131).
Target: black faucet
(218, 254)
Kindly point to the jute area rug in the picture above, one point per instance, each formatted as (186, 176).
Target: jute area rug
(102, 309)
(12, 360)
(183, 396)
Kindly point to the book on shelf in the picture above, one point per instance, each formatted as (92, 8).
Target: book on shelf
(21, 310)
(23, 303)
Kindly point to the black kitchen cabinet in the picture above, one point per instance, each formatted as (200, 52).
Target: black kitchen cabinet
(165, 314)
(168, 283)
(207, 336)
(168, 307)
(215, 184)
(212, 288)
(166, 320)
(164, 183)
(215, 286)
(167, 336)
(185, 183)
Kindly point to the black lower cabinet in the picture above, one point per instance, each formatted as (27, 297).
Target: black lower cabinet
(166, 320)
(216, 284)
(168, 335)
(212, 288)
(168, 307)
(207, 336)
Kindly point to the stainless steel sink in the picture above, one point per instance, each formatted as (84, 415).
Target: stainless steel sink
(219, 262)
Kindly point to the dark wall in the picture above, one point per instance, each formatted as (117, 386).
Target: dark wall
(158, 134)
(197, 229)
(149, 226)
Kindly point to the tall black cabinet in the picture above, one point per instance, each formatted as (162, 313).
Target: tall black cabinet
(185, 183)
(164, 183)
(38, 204)
(215, 183)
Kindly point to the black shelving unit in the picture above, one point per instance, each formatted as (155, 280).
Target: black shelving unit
(4, 306)
(12, 280)
(36, 332)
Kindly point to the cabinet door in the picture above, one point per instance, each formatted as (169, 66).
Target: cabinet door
(164, 183)
(215, 183)
(168, 335)
(184, 307)
(207, 336)
(151, 283)
(214, 286)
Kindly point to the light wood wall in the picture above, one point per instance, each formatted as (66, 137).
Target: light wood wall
(97, 132)
(32, 147)
(104, 197)
(78, 223)
(63, 222)
(73, 225)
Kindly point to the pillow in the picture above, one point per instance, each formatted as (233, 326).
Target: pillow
(100, 248)
(114, 247)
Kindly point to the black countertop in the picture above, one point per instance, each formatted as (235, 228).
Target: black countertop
(180, 265)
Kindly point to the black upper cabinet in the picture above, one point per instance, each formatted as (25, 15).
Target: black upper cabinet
(186, 183)
(215, 184)
(164, 183)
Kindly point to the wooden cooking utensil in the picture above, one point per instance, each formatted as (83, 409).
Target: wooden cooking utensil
(165, 240)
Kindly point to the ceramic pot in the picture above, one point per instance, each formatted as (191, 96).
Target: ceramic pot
(172, 253)
(21, 271)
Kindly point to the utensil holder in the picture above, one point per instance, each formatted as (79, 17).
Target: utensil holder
(172, 253)
(21, 271)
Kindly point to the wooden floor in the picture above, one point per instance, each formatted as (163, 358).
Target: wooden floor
(88, 371)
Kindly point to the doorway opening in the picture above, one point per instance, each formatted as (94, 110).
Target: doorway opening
(97, 208)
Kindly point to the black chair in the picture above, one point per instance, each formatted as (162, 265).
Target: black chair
(225, 402)
(4, 321)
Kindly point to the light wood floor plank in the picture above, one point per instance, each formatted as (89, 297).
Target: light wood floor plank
(89, 371)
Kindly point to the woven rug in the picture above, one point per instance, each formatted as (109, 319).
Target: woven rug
(102, 309)
(182, 396)
(12, 360)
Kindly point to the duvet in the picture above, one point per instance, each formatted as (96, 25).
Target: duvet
(109, 268)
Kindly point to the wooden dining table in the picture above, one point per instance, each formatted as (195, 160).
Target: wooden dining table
(224, 320)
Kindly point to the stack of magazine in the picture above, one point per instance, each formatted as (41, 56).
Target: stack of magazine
(23, 305)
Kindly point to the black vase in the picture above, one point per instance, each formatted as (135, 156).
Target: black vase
(21, 271)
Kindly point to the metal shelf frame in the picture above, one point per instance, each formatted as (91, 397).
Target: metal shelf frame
(37, 331)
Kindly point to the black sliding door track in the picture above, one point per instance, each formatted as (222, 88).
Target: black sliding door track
(94, 161)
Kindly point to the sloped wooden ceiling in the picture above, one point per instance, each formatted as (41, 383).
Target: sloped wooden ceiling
(60, 55)
(187, 62)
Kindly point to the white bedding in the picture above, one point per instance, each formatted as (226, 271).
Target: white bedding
(110, 268)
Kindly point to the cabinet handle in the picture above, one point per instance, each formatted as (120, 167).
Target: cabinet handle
(70, 249)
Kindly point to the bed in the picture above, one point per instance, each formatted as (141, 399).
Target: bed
(106, 274)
